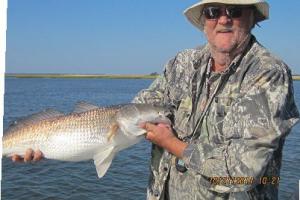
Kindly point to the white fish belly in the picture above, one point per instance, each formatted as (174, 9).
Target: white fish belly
(76, 146)
(67, 146)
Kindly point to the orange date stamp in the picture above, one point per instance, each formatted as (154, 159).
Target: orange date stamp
(269, 180)
(219, 180)
(247, 180)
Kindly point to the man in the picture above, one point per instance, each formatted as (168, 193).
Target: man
(233, 107)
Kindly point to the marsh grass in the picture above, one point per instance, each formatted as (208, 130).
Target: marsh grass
(104, 76)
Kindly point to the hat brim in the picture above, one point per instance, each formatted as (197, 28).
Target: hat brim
(194, 12)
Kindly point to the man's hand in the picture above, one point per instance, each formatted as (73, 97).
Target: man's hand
(163, 136)
(30, 155)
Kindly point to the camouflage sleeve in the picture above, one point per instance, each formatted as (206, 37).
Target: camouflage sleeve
(155, 94)
(252, 130)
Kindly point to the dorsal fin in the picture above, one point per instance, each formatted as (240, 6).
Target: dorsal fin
(34, 118)
(83, 106)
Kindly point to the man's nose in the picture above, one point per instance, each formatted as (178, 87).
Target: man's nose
(224, 19)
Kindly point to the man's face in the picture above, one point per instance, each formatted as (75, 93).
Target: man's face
(225, 33)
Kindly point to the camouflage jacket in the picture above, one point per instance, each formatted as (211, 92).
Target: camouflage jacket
(247, 112)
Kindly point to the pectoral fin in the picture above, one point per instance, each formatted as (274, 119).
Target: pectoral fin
(112, 131)
(102, 161)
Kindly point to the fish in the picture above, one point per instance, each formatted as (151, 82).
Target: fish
(89, 132)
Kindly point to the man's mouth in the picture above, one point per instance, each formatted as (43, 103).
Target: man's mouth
(224, 31)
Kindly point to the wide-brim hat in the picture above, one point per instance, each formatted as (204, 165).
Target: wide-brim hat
(194, 12)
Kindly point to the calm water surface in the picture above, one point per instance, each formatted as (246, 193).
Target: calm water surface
(127, 177)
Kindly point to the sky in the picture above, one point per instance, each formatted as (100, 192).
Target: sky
(123, 36)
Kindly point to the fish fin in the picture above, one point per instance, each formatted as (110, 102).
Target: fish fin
(83, 106)
(112, 131)
(34, 118)
(102, 161)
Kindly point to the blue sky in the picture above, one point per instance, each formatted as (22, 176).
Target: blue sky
(122, 36)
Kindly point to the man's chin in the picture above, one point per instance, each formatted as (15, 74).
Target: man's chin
(228, 48)
(225, 50)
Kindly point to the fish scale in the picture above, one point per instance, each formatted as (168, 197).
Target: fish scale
(89, 132)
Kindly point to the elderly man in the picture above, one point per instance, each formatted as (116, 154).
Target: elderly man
(233, 106)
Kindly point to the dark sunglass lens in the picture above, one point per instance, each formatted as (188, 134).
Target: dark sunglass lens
(212, 12)
(234, 12)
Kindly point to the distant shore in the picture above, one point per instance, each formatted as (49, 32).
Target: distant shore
(103, 76)
(296, 77)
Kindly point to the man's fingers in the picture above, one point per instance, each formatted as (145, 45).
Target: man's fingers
(16, 158)
(152, 129)
(149, 135)
(164, 125)
(28, 155)
(149, 127)
(38, 155)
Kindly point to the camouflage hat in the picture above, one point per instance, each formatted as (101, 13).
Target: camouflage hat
(194, 12)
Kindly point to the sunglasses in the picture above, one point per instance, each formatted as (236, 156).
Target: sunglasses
(214, 12)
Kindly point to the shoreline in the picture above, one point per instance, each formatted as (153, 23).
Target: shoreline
(296, 77)
(101, 76)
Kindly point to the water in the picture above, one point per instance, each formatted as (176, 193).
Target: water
(128, 176)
